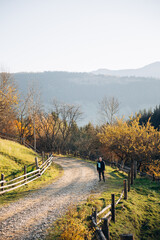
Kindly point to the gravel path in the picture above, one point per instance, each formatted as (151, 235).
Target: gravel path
(29, 217)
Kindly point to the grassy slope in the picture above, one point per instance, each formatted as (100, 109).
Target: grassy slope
(138, 215)
(13, 157)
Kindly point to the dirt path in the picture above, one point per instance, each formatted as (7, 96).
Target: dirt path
(29, 217)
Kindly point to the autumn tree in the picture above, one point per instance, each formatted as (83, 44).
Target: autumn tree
(87, 143)
(8, 102)
(69, 114)
(34, 108)
(56, 129)
(131, 141)
(48, 130)
(23, 121)
(27, 116)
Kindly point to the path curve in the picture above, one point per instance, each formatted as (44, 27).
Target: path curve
(28, 218)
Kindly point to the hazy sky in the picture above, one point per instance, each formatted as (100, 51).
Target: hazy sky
(78, 35)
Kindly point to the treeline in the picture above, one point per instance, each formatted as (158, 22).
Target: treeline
(24, 118)
(153, 116)
(57, 130)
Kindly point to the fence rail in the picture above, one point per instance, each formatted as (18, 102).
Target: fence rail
(13, 184)
(102, 233)
(18, 140)
(135, 172)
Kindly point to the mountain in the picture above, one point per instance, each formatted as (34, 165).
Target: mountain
(87, 89)
(151, 70)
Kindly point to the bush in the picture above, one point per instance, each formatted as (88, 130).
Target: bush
(71, 226)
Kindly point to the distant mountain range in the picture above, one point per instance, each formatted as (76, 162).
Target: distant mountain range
(87, 89)
(151, 70)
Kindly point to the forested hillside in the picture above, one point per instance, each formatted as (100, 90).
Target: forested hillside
(87, 89)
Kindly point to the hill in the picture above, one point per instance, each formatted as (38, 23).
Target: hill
(87, 89)
(150, 70)
(13, 158)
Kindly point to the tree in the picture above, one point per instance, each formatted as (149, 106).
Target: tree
(131, 141)
(87, 143)
(57, 128)
(48, 129)
(68, 114)
(108, 108)
(154, 117)
(8, 101)
(27, 116)
(23, 122)
(34, 108)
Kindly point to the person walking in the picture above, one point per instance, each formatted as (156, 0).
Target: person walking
(101, 168)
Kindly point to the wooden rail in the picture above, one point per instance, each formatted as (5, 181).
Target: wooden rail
(18, 140)
(7, 186)
(133, 171)
(102, 232)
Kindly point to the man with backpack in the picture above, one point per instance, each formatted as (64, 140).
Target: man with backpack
(101, 168)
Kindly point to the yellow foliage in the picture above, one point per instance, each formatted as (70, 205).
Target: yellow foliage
(71, 227)
(131, 141)
(22, 129)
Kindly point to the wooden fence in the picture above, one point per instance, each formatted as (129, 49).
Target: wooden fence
(7, 186)
(103, 232)
(18, 140)
(134, 171)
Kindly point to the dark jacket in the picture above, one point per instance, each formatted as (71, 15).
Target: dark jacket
(100, 166)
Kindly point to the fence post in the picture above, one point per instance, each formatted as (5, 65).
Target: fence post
(132, 172)
(43, 157)
(153, 177)
(135, 169)
(25, 172)
(95, 215)
(113, 207)
(36, 161)
(2, 179)
(129, 181)
(126, 237)
(125, 188)
(105, 228)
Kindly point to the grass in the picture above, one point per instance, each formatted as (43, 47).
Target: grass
(138, 215)
(13, 158)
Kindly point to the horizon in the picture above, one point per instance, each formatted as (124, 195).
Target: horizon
(86, 71)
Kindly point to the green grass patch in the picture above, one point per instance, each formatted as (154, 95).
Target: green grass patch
(13, 158)
(139, 215)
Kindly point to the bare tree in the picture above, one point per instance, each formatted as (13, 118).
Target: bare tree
(108, 109)
(68, 114)
(29, 108)
(24, 121)
(34, 108)
(48, 129)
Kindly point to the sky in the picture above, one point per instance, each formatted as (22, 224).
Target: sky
(78, 35)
